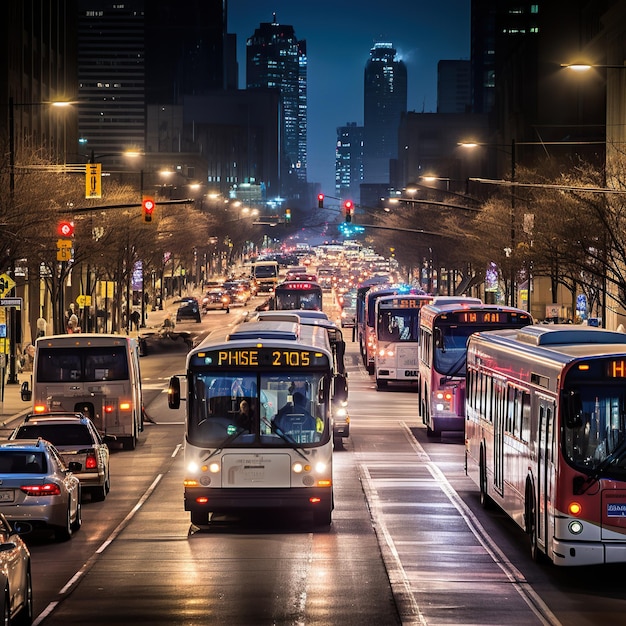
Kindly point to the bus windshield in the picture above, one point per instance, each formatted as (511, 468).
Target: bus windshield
(67, 364)
(451, 347)
(249, 409)
(398, 326)
(295, 297)
(600, 429)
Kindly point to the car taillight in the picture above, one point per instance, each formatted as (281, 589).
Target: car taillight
(49, 489)
(91, 462)
(40, 408)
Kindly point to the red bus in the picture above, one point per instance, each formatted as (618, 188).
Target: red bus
(445, 326)
(546, 436)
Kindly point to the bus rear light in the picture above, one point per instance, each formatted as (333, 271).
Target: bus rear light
(574, 508)
(315, 500)
(108, 408)
(202, 500)
(125, 406)
(40, 408)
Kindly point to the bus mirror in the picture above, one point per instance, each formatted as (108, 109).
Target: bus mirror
(439, 340)
(341, 350)
(341, 388)
(25, 392)
(573, 409)
(173, 393)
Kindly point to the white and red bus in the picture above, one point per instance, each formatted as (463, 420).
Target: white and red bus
(397, 333)
(445, 326)
(546, 436)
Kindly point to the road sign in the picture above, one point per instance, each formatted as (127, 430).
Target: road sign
(64, 249)
(11, 302)
(93, 180)
(83, 301)
(6, 284)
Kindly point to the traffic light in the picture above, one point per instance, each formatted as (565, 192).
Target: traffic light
(65, 229)
(147, 206)
(320, 200)
(348, 207)
(287, 216)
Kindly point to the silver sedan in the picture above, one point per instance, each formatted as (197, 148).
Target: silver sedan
(37, 489)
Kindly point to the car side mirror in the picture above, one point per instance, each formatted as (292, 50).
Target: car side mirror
(25, 393)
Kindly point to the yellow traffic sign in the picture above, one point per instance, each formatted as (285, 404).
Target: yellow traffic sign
(83, 301)
(6, 284)
(93, 180)
(64, 249)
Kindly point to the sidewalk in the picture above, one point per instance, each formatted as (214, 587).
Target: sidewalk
(13, 407)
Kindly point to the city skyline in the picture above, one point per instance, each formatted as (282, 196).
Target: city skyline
(339, 39)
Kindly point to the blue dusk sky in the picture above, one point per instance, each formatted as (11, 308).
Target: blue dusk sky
(339, 35)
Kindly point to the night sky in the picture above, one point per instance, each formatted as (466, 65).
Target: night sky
(339, 36)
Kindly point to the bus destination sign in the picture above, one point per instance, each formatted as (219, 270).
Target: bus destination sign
(259, 357)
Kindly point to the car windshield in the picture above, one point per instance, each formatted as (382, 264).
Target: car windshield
(22, 462)
(57, 434)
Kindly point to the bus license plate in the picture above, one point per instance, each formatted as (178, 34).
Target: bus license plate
(7, 496)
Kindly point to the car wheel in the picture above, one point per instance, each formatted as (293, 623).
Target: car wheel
(78, 522)
(6, 608)
(107, 484)
(98, 494)
(25, 616)
(64, 533)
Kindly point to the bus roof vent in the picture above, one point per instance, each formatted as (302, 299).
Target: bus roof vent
(564, 334)
(266, 330)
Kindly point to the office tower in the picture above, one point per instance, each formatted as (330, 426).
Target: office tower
(349, 161)
(111, 74)
(188, 51)
(38, 66)
(453, 87)
(385, 99)
(276, 59)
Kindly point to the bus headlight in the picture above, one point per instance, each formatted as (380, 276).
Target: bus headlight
(320, 467)
(214, 468)
(575, 527)
(192, 467)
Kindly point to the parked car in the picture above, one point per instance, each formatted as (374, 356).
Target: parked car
(77, 440)
(189, 309)
(37, 488)
(216, 299)
(15, 576)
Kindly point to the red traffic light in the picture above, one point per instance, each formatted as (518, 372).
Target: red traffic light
(348, 207)
(147, 205)
(320, 200)
(65, 229)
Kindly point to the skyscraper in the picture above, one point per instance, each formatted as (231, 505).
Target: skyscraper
(111, 74)
(276, 59)
(349, 161)
(385, 99)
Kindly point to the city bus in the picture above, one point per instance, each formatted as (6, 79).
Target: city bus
(368, 335)
(445, 325)
(281, 457)
(396, 328)
(361, 292)
(94, 374)
(294, 295)
(545, 436)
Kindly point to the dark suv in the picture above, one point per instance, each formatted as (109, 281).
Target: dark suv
(189, 309)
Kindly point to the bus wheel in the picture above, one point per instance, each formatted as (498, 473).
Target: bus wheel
(380, 383)
(485, 500)
(130, 443)
(531, 525)
(199, 518)
(322, 518)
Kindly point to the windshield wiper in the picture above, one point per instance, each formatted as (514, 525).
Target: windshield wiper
(612, 458)
(285, 437)
(455, 369)
(226, 442)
